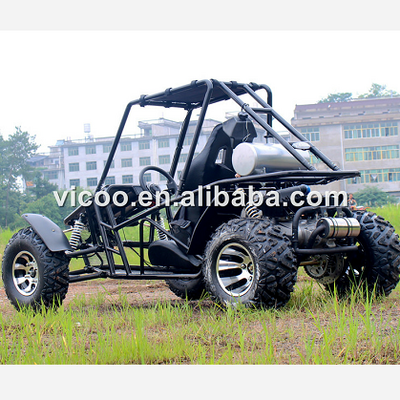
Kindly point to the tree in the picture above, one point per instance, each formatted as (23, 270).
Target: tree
(378, 91)
(47, 205)
(15, 151)
(374, 92)
(337, 97)
(373, 196)
(41, 186)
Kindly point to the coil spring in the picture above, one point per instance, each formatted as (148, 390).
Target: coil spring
(160, 233)
(253, 211)
(76, 234)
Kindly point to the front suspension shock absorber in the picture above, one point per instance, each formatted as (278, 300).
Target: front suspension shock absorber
(75, 238)
(252, 211)
(160, 233)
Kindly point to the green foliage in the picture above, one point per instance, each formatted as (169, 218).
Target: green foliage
(42, 187)
(337, 97)
(15, 151)
(391, 212)
(373, 197)
(375, 91)
(16, 202)
(47, 205)
(14, 155)
(378, 91)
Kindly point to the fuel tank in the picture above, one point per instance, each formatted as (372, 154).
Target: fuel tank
(249, 158)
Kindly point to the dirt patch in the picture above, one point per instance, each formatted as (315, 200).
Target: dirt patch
(136, 293)
(139, 292)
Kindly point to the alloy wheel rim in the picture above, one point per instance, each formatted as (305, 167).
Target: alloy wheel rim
(25, 273)
(235, 269)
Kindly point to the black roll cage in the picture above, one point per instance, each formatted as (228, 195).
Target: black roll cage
(203, 93)
(198, 94)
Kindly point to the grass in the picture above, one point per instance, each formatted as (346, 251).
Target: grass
(112, 328)
(5, 236)
(101, 330)
(391, 213)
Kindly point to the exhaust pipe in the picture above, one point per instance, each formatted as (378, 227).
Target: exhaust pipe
(338, 227)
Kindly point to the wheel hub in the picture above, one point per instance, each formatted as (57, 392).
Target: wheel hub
(25, 273)
(235, 269)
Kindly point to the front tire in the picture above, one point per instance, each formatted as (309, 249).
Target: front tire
(33, 276)
(376, 264)
(250, 261)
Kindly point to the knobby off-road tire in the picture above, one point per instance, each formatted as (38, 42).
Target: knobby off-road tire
(33, 276)
(190, 289)
(375, 266)
(250, 261)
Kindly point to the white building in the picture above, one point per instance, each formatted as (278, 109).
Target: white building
(81, 162)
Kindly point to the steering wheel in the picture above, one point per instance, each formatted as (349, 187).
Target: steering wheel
(153, 189)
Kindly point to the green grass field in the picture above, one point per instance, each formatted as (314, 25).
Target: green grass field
(111, 328)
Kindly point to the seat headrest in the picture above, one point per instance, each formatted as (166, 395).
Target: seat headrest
(239, 129)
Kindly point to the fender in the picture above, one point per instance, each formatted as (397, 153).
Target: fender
(204, 228)
(51, 234)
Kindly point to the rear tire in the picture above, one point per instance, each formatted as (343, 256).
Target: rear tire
(251, 262)
(190, 289)
(33, 276)
(376, 264)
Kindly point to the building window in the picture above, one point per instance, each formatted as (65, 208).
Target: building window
(377, 175)
(163, 178)
(147, 177)
(127, 179)
(144, 144)
(143, 161)
(126, 146)
(73, 167)
(112, 165)
(371, 130)
(126, 162)
(110, 180)
(183, 157)
(50, 175)
(90, 149)
(73, 151)
(164, 159)
(74, 182)
(91, 165)
(188, 140)
(372, 153)
(92, 182)
(311, 134)
(146, 131)
(162, 143)
(106, 148)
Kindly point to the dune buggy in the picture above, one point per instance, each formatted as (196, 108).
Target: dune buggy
(246, 251)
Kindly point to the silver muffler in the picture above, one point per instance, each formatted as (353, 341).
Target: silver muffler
(339, 227)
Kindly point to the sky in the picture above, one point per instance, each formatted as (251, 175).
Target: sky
(52, 82)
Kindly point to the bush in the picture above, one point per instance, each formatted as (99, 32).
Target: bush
(372, 196)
